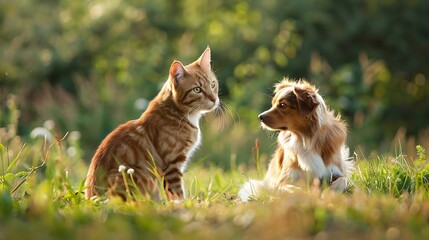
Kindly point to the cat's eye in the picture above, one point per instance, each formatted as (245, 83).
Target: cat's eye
(197, 89)
(213, 84)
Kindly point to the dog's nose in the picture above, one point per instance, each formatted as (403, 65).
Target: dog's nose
(261, 117)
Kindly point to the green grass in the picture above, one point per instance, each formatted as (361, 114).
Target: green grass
(41, 184)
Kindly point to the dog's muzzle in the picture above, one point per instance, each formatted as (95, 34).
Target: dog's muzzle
(261, 117)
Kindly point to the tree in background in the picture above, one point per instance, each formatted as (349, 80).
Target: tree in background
(84, 64)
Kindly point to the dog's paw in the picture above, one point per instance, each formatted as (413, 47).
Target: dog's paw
(177, 201)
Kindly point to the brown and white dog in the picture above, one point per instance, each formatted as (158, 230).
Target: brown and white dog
(311, 142)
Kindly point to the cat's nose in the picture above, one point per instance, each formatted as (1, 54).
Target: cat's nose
(212, 99)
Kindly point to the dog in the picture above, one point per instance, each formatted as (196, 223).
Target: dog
(310, 144)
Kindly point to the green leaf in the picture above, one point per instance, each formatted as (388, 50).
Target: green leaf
(7, 180)
(22, 174)
(82, 185)
(9, 177)
(22, 190)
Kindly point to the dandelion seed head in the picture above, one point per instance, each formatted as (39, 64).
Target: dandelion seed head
(72, 152)
(121, 168)
(74, 135)
(49, 124)
(41, 132)
(130, 171)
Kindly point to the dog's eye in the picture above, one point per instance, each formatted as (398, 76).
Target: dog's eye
(282, 105)
(197, 89)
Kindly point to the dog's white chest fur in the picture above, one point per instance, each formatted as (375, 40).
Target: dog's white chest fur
(312, 163)
(309, 161)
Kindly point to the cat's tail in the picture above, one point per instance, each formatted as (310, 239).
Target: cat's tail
(90, 190)
(250, 189)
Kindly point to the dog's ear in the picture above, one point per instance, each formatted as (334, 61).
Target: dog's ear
(283, 84)
(307, 101)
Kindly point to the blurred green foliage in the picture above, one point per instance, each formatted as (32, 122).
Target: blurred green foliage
(84, 64)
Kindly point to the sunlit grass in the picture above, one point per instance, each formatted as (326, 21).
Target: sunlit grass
(41, 197)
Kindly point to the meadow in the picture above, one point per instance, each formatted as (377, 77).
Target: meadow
(71, 71)
(41, 197)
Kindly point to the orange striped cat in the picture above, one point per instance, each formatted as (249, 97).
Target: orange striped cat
(165, 135)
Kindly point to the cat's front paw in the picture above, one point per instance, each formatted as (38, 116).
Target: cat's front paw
(177, 201)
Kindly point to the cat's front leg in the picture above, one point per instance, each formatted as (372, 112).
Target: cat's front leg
(175, 193)
(173, 184)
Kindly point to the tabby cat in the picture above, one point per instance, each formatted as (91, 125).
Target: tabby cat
(163, 138)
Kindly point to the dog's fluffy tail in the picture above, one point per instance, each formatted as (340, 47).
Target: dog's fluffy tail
(250, 189)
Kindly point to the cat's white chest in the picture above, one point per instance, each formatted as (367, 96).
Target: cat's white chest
(194, 120)
(196, 144)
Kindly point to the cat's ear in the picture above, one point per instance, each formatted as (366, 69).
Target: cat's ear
(177, 71)
(205, 59)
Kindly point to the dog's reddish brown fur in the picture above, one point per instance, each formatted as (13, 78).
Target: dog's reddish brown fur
(311, 142)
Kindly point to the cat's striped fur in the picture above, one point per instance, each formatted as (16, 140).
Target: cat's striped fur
(165, 135)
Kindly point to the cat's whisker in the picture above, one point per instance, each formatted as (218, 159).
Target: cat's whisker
(215, 70)
(227, 114)
(181, 120)
(232, 113)
(220, 116)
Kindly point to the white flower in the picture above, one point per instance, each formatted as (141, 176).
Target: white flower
(41, 132)
(121, 168)
(74, 135)
(130, 171)
(72, 151)
(49, 124)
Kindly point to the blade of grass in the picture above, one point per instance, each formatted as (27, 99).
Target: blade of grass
(45, 157)
(16, 158)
